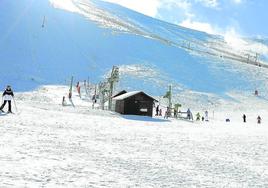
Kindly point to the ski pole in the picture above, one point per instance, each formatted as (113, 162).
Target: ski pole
(15, 104)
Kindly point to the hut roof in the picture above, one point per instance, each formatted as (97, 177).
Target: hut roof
(119, 93)
(130, 94)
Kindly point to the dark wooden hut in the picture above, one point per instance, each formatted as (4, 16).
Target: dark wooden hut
(134, 103)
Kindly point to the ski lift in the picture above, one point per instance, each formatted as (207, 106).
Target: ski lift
(257, 63)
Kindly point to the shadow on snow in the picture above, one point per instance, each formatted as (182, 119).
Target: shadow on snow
(143, 118)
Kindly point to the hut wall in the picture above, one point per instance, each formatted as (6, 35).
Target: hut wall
(139, 105)
(119, 107)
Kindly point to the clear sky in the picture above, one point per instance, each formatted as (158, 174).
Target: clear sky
(240, 17)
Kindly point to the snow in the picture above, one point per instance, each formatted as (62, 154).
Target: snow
(93, 13)
(127, 95)
(47, 145)
(90, 37)
(68, 5)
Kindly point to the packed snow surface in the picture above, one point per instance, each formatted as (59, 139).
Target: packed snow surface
(48, 145)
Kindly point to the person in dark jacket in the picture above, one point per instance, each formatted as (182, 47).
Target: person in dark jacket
(244, 118)
(7, 97)
(259, 119)
(157, 110)
(189, 114)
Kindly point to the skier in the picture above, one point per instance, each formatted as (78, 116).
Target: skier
(167, 113)
(7, 96)
(175, 113)
(198, 116)
(70, 97)
(244, 118)
(94, 101)
(188, 114)
(259, 119)
(157, 110)
(78, 87)
(64, 103)
(206, 115)
(160, 112)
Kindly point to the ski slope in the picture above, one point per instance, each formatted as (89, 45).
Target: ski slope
(85, 38)
(44, 43)
(47, 145)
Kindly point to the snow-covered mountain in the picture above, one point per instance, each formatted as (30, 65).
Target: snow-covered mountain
(45, 42)
(46, 144)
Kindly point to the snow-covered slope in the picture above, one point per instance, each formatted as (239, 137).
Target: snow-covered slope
(47, 145)
(86, 38)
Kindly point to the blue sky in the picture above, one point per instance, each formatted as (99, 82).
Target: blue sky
(240, 17)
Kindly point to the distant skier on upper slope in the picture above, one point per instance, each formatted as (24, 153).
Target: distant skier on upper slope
(7, 97)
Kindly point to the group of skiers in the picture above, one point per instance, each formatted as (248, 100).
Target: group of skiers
(245, 119)
(203, 118)
(158, 111)
(189, 115)
(7, 97)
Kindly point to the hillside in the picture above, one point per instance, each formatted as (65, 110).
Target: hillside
(45, 143)
(86, 38)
